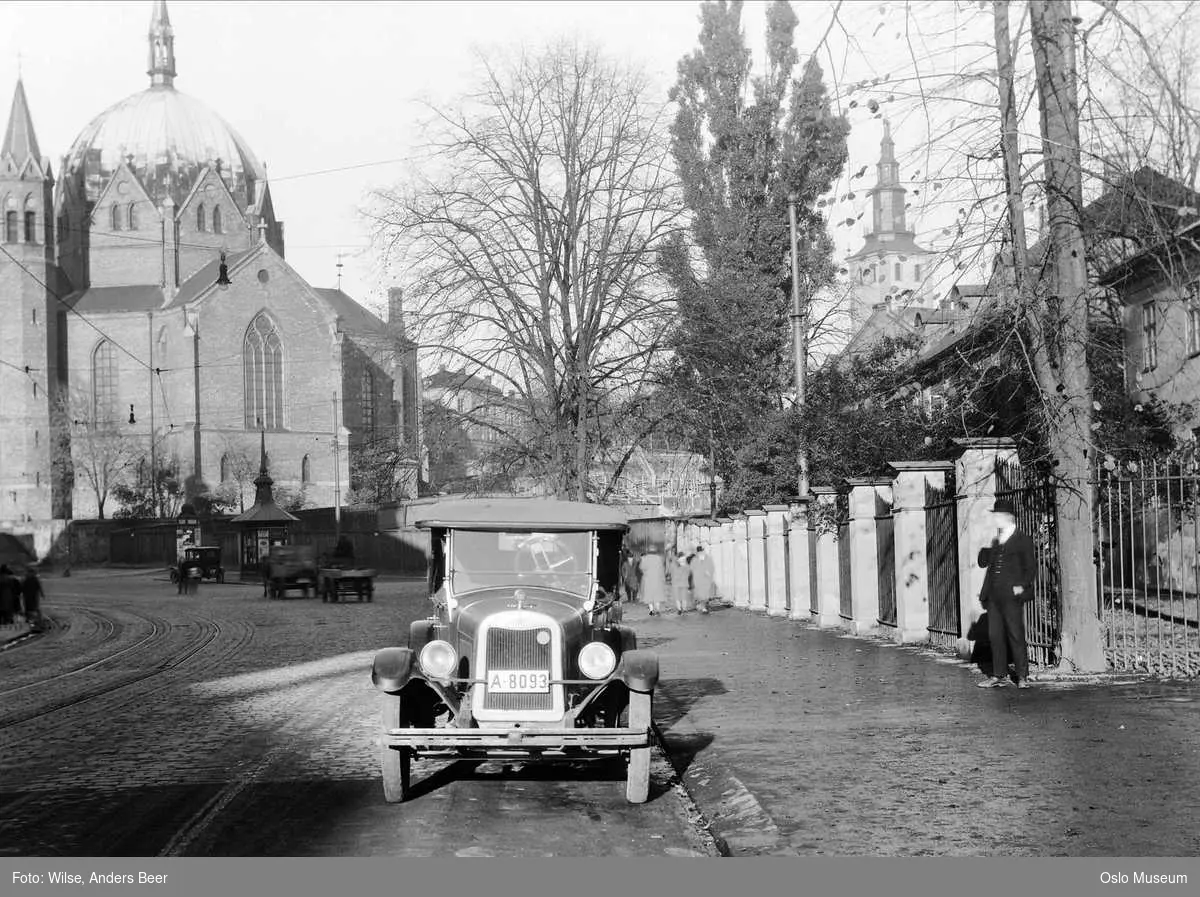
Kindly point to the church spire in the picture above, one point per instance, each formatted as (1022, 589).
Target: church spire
(19, 140)
(162, 47)
(887, 199)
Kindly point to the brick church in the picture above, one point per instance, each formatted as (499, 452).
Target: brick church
(148, 316)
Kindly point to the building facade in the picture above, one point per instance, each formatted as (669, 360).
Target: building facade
(161, 325)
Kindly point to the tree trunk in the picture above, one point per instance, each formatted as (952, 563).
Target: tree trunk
(1060, 315)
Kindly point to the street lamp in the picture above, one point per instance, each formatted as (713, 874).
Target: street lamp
(799, 346)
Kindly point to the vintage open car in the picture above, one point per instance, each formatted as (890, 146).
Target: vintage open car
(205, 558)
(524, 655)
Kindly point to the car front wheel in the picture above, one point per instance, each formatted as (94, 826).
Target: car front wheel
(637, 776)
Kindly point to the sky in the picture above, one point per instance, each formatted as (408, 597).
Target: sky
(329, 95)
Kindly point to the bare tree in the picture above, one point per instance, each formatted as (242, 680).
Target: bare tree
(97, 454)
(530, 239)
(240, 463)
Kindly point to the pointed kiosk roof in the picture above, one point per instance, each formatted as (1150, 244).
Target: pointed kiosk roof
(19, 139)
(264, 511)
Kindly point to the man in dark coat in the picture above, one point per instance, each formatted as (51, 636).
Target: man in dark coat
(1011, 562)
(32, 594)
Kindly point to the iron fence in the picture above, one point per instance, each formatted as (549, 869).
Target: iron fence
(885, 545)
(1148, 565)
(1033, 499)
(941, 560)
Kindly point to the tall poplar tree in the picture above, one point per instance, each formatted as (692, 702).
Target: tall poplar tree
(741, 145)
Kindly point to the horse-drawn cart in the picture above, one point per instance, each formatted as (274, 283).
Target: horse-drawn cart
(335, 581)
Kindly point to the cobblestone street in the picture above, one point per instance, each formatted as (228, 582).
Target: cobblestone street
(225, 724)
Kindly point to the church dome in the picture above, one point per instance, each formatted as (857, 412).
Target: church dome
(168, 139)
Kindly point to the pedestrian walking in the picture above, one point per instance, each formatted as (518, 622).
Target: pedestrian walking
(10, 596)
(1011, 562)
(681, 583)
(702, 578)
(31, 597)
(653, 581)
(630, 573)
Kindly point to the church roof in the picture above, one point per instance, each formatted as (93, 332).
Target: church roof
(19, 139)
(902, 242)
(138, 297)
(355, 318)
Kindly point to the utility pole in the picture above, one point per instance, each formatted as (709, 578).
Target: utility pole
(153, 450)
(799, 345)
(337, 477)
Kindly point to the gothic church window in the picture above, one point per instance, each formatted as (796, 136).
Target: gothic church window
(217, 220)
(105, 403)
(262, 359)
(115, 215)
(367, 401)
(224, 468)
(305, 471)
(10, 226)
(898, 270)
(132, 216)
(30, 221)
(201, 218)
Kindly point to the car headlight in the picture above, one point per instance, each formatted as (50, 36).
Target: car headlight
(597, 660)
(437, 659)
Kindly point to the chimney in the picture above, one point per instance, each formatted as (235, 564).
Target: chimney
(396, 306)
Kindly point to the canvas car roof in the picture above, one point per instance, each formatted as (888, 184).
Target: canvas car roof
(519, 514)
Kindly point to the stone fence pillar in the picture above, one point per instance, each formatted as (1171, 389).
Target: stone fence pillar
(776, 566)
(864, 552)
(828, 570)
(756, 558)
(912, 571)
(723, 559)
(800, 569)
(975, 476)
(741, 563)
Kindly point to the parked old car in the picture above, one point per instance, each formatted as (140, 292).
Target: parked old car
(524, 655)
(205, 558)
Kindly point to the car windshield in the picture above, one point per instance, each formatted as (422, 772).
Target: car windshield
(480, 560)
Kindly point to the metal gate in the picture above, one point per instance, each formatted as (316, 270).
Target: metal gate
(1148, 555)
(885, 553)
(845, 606)
(1032, 498)
(941, 560)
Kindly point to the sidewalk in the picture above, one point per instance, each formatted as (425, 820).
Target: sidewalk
(794, 740)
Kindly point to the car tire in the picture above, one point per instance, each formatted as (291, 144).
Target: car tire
(396, 762)
(637, 776)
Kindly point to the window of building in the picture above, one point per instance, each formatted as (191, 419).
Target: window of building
(1149, 336)
(217, 220)
(1193, 318)
(114, 214)
(131, 214)
(305, 470)
(62, 228)
(10, 226)
(30, 225)
(105, 404)
(224, 468)
(916, 272)
(201, 218)
(262, 357)
(367, 403)
(35, 317)
(897, 270)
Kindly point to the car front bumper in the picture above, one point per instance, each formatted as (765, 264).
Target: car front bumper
(451, 741)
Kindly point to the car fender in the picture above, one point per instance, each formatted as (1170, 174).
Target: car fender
(639, 670)
(421, 633)
(393, 669)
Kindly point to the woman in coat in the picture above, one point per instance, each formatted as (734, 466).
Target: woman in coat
(681, 583)
(702, 579)
(653, 589)
(31, 593)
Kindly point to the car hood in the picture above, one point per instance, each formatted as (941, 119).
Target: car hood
(566, 609)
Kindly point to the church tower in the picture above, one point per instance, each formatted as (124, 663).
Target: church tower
(890, 267)
(29, 324)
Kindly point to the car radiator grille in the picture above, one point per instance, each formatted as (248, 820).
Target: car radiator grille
(517, 649)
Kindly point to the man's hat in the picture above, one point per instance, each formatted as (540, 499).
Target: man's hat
(1004, 506)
